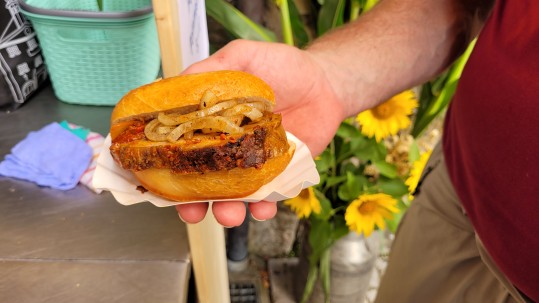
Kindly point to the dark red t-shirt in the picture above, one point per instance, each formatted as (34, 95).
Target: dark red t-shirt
(491, 141)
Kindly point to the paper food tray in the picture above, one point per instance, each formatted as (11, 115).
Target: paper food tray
(299, 174)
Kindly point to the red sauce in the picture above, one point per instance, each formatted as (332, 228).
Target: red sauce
(133, 132)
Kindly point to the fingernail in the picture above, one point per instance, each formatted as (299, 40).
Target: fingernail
(259, 220)
(180, 216)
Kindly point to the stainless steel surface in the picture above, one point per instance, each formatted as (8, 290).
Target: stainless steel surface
(77, 246)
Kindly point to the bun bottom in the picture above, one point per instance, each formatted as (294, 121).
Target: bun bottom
(229, 184)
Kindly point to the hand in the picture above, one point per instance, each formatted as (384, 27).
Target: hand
(304, 97)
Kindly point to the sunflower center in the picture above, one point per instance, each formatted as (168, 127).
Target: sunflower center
(304, 194)
(367, 207)
(383, 111)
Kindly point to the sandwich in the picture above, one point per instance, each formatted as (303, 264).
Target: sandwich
(207, 136)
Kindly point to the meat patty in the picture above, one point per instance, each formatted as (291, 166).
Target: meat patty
(203, 153)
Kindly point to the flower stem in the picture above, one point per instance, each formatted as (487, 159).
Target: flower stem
(325, 271)
(333, 171)
(311, 280)
(286, 24)
(355, 8)
(369, 4)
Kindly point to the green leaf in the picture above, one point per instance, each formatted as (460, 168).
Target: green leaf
(386, 169)
(342, 150)
(347, 131)
(394, 222)
(348, 167)
(236, 22)
(437, 105)
(438, 84)
(413, 153)
(330, 16)
(355, 8)
(325, 204)
(301, 37)
(334, 180)
(368, 149)
(393, 187)
(323, 179)
(369, 4)
(319, 238)
(323, 162)
(353, 187)
(340, 228)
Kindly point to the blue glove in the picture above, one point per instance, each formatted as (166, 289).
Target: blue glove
(52, 156)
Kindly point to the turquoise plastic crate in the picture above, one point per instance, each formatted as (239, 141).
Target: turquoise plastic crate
(124, 5)
(80, 5)
(94, 58)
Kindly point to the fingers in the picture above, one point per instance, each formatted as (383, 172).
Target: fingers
(230, 213)
(263, 210)
(231, 56)
(192, 212)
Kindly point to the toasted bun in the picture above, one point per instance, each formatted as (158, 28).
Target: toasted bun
(226, 184)
(188, 90)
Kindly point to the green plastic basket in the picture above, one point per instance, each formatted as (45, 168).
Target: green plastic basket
(124, 5)
(94, 58)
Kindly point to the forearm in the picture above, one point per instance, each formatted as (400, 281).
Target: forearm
(397, 45)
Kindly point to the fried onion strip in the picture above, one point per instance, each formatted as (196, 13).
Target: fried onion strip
(152, 133)
(216, 123)
(179, 119)
(243, 109)
(212, 116)
(208, 99)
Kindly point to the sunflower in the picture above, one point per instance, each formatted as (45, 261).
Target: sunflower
(369, 210)
(415, 173)
(305, 203)
(389, 117)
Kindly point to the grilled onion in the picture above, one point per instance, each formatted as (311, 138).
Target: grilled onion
(217, 123)
(212, 116)
(151, 131)
(208, 99)
(244, 109)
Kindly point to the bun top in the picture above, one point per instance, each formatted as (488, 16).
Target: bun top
(186, 90)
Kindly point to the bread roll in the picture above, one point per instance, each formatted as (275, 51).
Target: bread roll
(207, 166)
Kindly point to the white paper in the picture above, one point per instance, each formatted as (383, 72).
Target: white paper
(299, 174)
(193, 31)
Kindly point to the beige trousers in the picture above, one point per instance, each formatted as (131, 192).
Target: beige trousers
(436, 255)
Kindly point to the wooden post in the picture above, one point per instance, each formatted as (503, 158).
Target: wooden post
(207, 238)
(208, 252)
(168, 30)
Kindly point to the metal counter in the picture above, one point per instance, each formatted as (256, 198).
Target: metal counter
(78, 246)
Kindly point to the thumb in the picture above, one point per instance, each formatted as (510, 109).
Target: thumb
(233, 56)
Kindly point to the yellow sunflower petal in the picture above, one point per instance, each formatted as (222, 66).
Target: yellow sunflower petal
(415, 173)
(305, 203)
(388, 118)
(368, 226)
(369, 211)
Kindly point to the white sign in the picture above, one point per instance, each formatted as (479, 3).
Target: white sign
(193, 31)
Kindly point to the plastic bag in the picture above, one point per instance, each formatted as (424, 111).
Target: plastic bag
(22, 69)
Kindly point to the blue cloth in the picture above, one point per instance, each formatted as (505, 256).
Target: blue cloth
(51, 156)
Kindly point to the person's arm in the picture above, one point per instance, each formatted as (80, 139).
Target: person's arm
(395, 46)
(399, 44)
